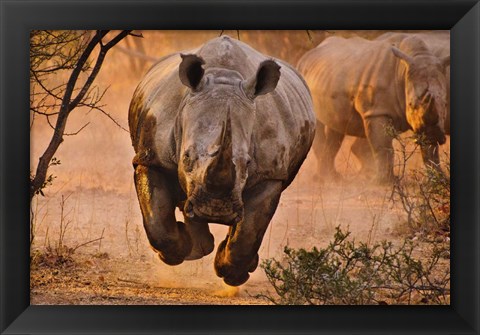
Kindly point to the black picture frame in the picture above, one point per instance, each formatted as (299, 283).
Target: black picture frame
(18, 17)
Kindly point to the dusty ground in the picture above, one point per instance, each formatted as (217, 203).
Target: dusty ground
(120, 268)
(93, 249)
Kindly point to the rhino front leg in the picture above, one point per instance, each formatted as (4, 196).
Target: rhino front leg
(318, 145)
(326, 144)
(333, 142)
(203, 241)
(361, 149)
(168, 237)
(380, 138)
(431, 157)
(237, 255)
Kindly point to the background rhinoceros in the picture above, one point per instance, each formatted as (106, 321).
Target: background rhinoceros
(361, 88)
(219, 132)
(439, 44)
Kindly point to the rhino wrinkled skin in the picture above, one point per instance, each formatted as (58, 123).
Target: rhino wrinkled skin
(219, 132)
(364, 88)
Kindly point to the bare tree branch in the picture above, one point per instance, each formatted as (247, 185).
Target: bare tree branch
(77, 60)
(137, 54)
(78, 131)
(136, 35)
(111, 118)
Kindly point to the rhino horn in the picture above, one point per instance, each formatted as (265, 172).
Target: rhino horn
(221, 172)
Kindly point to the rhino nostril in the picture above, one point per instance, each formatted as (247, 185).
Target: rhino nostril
(188, 160)
(237, 219)
(188, 209)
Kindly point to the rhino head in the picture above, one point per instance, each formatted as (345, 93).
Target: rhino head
(426, 95)
(214, 126)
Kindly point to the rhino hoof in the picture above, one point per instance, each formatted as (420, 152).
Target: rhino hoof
(233, 274)
(201, 247)
(328, 177)
(254, 264)
(385, 180)
(169, 260)
(173, 249)
(336, 177)
(236, 280)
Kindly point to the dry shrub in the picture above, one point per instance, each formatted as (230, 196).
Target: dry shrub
(58, 253)
(424, 193)
(350, 273)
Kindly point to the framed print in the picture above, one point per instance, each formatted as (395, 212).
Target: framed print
(227, 167)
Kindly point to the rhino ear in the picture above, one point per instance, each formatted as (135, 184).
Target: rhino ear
(265, 80)
(191, 70)
(403, 56)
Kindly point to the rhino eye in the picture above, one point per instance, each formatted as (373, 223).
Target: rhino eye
(214, 153)
(187, 161)
(213, 150)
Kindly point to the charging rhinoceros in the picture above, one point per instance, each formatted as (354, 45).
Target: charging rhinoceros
(219, 132)
(369, 89)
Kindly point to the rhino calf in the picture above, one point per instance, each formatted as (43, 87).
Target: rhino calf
(218, 132)
(362, 88)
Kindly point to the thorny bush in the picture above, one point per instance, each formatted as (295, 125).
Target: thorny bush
(424, 194)
(350, 273)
